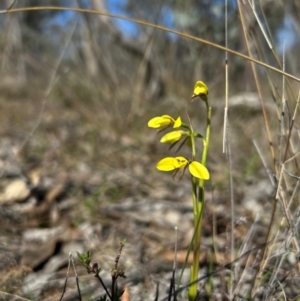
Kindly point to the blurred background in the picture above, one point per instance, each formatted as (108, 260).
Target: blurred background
(87, 79)
(77, 91)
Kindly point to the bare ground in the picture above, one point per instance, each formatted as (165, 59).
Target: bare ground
(68, 186)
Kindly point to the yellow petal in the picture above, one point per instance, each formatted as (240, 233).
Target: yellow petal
(200, 89)
(177, 123)
(172, 137)
(181, 162)
(198, 170)
(160, 121)
(167, 164)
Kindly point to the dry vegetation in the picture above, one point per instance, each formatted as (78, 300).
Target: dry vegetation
(77, 161)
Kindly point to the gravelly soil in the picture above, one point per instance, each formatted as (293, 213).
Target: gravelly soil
(51, 208)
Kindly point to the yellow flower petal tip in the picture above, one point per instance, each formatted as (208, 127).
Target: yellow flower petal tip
(167, 164)
(172, 137)
(161, 121)
(200, 88)
(177, 123)
(198, 170)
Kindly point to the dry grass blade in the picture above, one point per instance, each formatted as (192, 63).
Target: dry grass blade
(61, 8)
(9, 297)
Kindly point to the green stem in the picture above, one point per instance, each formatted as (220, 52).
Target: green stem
(198, 210)
(206, 142)
(194, 184)
(196, 254)
(204, 155)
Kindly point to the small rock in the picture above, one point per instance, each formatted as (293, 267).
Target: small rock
(35, 283)
(16, 191)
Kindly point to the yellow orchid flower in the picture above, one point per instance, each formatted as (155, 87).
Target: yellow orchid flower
(167, 164)
(175, 163)
(164, 121)
(200, 89)
(172, 137)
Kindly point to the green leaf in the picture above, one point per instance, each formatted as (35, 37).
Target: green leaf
(84, 258)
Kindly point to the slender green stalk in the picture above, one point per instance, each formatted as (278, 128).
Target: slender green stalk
(194, 183)
(207, 137)
(198, 212)
(196, 239)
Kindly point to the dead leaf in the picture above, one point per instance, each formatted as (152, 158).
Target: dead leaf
(125, 296)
